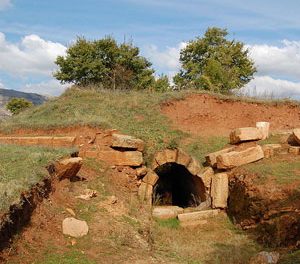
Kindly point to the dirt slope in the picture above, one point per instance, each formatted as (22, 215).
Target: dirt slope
(206, 115)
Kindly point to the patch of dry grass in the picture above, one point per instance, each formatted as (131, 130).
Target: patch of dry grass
(217, 242)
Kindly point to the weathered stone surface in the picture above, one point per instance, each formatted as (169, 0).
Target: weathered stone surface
(211, 158)
(183, 158)
(166, 212)
(145, 192)
(265, 258)
(171, 155)
(200, 215)
(142, 171)
(264, 128)
(151, 178)
(74, 228)
(127, 142)
(67, 168)
(40, 140)
(219, 190)
(121, 158)
(63, 141)
(206, 175)
(245, 134)
(238, 158)
(294, 150)
(296, 135)
(270, 149)
(194, 167)
(160, 157)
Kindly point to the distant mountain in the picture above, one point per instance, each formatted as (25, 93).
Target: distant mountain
(6, 95)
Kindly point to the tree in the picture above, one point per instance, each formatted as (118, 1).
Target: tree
(17, 105)
(104, 62)
(214, 63)
(161, 84)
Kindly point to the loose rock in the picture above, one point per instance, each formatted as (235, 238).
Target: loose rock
(265, 258)
(74, 227)
(245, 134)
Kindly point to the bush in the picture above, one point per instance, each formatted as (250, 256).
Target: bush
(161, 84)
(17, 105)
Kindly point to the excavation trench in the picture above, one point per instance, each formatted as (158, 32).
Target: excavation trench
(177, 186)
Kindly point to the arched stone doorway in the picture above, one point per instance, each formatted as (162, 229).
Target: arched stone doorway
(176, 178)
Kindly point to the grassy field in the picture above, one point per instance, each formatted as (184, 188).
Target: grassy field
(22, 167)
(283, 169)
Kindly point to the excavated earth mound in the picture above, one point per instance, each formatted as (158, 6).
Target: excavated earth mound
(206, 115)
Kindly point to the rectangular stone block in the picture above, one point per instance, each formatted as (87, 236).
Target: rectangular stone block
(238, 158)
(183, 158)
(127, 142)
(245, 134)
(121, 158)
(166, 212)
(206, 175)
(63, 141)
(264, 128)
(211, 158)
(151, 178)
(145, 192)
(294, 150)
(194, 167)
(200, 215)
(219, 190)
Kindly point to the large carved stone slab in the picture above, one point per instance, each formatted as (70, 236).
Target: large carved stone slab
(238, 158)
(127, 142)
(211, 158)
(219, 190)
(245, 134)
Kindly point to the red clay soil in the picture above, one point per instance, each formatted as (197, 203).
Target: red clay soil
(206, 115)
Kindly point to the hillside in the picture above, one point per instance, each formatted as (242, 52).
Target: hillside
(121, 230)
(6, 95)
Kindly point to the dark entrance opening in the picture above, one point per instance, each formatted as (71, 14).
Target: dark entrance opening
(177, 186)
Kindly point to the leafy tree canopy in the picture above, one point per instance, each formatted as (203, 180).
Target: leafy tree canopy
(104, 62)
(17, 105)
(214, 63)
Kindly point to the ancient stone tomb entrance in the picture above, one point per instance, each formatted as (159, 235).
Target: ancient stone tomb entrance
(177, 186)
(177, 182)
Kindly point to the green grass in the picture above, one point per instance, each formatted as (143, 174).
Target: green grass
(218, 241)
(199, 147)
(71, 257)
(283, 170)
(134, 113)
(22, 167)
(168, 223)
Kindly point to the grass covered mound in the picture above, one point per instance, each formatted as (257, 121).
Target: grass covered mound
(21, 168)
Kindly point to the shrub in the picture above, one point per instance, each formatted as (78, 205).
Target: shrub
(17, 105)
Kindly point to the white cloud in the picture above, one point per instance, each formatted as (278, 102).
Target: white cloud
(277, 61)
(166, 60)
(266, 86)
(32, 55)
(49, 88)
(5, 4)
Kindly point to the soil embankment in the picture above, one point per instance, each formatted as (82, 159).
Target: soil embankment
(206, 115)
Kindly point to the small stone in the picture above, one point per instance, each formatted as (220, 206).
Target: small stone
(74, 227)
(87, 195)
(265, 258)
(70, 211)
(112, 200)
(142, 171)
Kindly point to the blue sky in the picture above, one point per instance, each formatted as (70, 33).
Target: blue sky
(34, 32)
